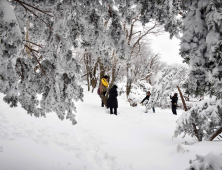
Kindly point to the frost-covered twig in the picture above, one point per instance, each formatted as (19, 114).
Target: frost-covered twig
(36, 58)
(33, 43)
(45, 12)
(32, 13)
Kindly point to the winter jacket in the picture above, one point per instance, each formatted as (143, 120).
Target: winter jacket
(103, 88)
(146, 98)
(174, 101)
(112, 101)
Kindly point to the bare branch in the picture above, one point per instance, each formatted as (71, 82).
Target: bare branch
(34, 14)
(45, 12)
(33, 43)
(36, 59)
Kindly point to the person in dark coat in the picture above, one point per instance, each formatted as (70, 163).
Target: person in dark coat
(174, 103)
(147, 98)
(112, 101)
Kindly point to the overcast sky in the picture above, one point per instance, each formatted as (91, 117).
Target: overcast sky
(168, 48)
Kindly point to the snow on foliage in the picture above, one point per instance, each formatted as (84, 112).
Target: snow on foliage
(36, 43)
(201, 45)
(206, 115)
(211, 161)
(137, 93)
(166, 82)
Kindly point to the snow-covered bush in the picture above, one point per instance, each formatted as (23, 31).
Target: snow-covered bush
(211, 161)
(166, 82)
(144, 86)
(202, 120)
(138, 91)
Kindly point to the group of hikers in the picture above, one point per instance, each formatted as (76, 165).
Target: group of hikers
(112, 101)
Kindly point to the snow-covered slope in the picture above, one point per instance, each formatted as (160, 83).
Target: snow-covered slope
(133, 140)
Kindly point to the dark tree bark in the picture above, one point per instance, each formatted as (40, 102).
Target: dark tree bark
(215, 134)
(87, 70)
(94, 79)
(183, 101)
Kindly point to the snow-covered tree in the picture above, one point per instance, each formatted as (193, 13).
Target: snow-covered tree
(145, 64)
(201, 44)
(155, 13)
(11, 46)
(202, 120)
(37, 39)
(167, 81)
(201, 49)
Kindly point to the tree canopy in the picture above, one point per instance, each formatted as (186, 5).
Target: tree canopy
(39, 69)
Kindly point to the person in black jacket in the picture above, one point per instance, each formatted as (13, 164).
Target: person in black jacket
(147, 98)
(112, 101)
(174, 103)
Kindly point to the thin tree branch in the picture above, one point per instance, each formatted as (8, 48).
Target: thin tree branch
(20, 2)
(31, 49)
(137, 32)
(36, 59)
(34, 14)
(33, 43)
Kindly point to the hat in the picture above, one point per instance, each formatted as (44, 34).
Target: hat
(115, 86)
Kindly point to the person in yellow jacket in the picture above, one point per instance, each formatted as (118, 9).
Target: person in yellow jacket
(103, 87)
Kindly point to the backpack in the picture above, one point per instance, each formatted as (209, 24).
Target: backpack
(98, 91)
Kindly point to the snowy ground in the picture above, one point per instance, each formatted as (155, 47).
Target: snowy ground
(133, 140)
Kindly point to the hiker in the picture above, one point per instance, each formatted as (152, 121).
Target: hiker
(103, 88)
(147, 98)
(174, 103)
(112, 101)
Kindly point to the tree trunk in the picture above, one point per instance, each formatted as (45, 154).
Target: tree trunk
(94, 78)
(102, 72)
(129, 80)
(183, 101)
(215, 134)
(87, 70)
(196, 132)
(113, 74)
(102, 69)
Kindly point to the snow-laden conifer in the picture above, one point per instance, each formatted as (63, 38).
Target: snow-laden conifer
(206, 115)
